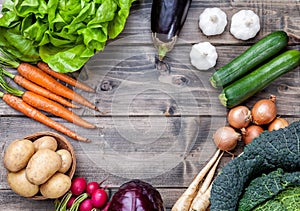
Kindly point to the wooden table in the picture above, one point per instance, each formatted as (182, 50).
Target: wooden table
(138, 139)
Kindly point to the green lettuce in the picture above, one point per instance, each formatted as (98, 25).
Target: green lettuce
(62, 33)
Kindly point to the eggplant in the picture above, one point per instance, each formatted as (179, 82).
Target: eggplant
(167, 19)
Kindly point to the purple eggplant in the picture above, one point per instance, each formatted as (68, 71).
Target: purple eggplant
(167, 19)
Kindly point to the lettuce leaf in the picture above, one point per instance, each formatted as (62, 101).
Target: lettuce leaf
(62, 33)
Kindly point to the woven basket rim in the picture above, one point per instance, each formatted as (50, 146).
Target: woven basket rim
(63, 143)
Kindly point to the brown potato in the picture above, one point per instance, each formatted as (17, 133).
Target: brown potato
(45, 142)
(66, 158)
(56, 186)
(18, 154)
(42, 165)
(20, 185)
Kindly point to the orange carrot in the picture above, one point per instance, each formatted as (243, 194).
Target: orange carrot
(54, 108)
(26, 84)
(41, 78)
(18, 104)
(64, 77)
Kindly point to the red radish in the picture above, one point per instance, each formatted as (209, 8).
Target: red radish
(106, 206)
(91, 187)
(78, 186)
(86, 205)
(99, 198)
(71, 201)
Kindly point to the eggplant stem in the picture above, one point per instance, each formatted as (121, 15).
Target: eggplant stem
(163, 47)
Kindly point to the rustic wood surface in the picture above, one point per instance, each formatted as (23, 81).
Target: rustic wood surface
(136, 138)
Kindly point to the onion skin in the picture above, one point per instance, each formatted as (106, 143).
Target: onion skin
(226, 138)
(239, 117)
(264, 111)
(251, 132)
(278, 123)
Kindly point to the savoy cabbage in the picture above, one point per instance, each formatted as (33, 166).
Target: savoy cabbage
(269, 151)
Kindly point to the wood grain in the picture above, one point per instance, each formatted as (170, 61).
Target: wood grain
(158, 125)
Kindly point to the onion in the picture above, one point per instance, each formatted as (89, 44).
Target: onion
(239, 117)
(278, 123)
(226, 138)
(264, 111)
(251, 132)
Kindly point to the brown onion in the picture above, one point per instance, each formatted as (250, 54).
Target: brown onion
(251, 132)
(239, 117)
(278, 123)
(264, 111)
(226, 138)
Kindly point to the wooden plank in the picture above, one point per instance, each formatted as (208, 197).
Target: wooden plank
(275, 15)
(128, 84)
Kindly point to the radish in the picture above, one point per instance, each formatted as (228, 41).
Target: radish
(86, 205)
(78, 186)
(99, 198)
(71, 201)
(91, 187)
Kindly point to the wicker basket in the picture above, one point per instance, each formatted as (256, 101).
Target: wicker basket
(62, 143)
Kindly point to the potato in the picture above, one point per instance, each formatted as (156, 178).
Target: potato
(42, 165)
(45, 142)
(56, 186)
(20, 185)
(66, 158)
(18, 154)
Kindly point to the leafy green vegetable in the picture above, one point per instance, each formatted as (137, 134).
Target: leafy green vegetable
(287, 200)
(267, 186)
(269, 151)
(64, 34)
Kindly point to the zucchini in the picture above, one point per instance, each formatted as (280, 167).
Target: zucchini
(264, 49)
(247, 86)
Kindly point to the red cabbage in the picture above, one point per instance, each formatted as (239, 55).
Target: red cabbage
(136, 195)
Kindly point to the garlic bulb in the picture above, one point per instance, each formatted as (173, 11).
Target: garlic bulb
(203, 56)
(212, 21)
(244, 24)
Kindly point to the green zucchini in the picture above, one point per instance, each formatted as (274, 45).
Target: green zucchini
(262, 50)
(247, 86)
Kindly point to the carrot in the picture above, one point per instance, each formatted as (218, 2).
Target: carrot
(64, 77)
(26, 84)
(18, 104)
(54, 108)
(45, 104)
(41, 78)
(184, 202)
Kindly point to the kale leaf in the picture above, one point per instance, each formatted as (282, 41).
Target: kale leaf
(269, 151)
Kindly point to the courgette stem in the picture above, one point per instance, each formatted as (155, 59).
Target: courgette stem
(244, 88)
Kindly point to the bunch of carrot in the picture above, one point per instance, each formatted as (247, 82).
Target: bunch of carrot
(196, 196)
(44, 92)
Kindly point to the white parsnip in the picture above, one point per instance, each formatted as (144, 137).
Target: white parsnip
(202, 203)
(184, 202)
(201, 200)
